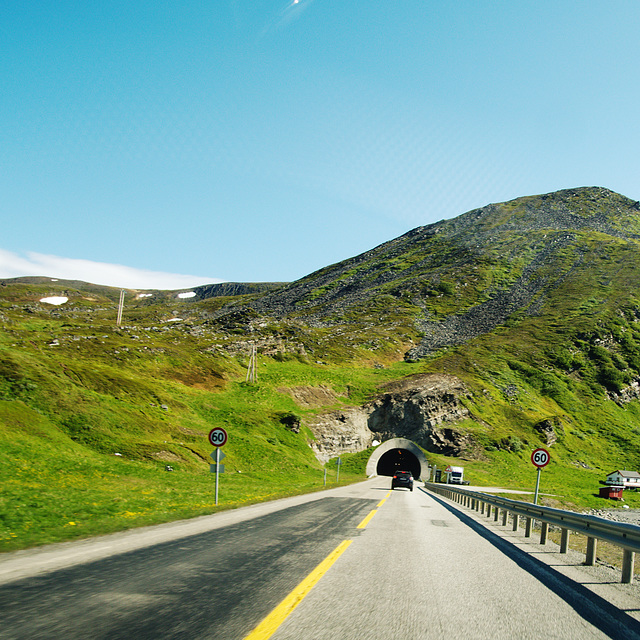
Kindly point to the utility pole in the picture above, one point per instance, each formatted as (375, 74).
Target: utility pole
(252, 375)
(120, 307)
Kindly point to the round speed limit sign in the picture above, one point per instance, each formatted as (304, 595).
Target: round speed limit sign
(218, 437)
(540, 458)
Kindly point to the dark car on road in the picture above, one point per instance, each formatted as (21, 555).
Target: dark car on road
(402, 479)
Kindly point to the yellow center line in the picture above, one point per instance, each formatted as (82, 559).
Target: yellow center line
(381, 502)
(388, 494)
(365, 522)
(270, 624)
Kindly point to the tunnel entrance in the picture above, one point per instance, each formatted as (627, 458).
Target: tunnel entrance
(398, 460)
(398, 454)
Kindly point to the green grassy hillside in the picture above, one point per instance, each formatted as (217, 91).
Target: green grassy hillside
(533, 304)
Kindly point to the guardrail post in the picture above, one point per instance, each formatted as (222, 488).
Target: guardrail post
(592, 546)
(527, 527)
(515, 521)
(628, 560)
(564, 541)
(481, 508)
(544, 532)
(496, 514)
(505, 517)
(488, 510)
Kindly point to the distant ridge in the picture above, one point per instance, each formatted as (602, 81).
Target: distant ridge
(49, 280)
(235, 289)
(202, 291)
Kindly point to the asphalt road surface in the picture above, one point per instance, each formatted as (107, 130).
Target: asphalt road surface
(411, 566)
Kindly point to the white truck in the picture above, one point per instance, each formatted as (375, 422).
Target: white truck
(455, 475)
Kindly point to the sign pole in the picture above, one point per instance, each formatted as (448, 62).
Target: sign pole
(535, 498)
(540, 458)
(218, 438)
(217, 471)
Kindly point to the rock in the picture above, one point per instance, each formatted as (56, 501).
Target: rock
(626, 395)
(450, 442)
(291, 421)
(337, 432)
(422, 408)
(416, 407)
(550, 429)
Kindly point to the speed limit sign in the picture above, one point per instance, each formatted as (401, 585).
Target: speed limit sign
(540, 458)
(218, 437)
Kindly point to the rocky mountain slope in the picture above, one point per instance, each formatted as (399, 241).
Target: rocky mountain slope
(491, 263)
(564, 266)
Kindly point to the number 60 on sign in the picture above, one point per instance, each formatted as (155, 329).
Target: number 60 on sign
(218, 437)
(540, 458)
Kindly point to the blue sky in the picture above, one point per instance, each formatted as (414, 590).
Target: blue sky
(170, 144)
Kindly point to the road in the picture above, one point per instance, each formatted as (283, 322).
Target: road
(412, 566)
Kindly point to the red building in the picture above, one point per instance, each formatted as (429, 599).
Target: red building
(613, 493)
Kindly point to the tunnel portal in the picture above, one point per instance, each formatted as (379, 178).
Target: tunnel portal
(398, 460)
(398, 454)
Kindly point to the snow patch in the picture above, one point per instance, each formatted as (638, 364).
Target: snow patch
(55, 300)
(174, 320)
(145, 295)
(187, 294)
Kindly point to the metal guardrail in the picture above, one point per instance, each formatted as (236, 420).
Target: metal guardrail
(626, 536)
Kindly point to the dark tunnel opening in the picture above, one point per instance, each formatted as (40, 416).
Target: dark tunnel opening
(398, 460)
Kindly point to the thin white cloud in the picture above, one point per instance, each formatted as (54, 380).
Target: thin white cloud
(13, 265)
(291, 11)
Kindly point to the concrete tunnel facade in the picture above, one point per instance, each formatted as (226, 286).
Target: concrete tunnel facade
(398, 454)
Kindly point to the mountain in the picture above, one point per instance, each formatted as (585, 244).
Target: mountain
(550, 282)
(512, 326)
(462, 278)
